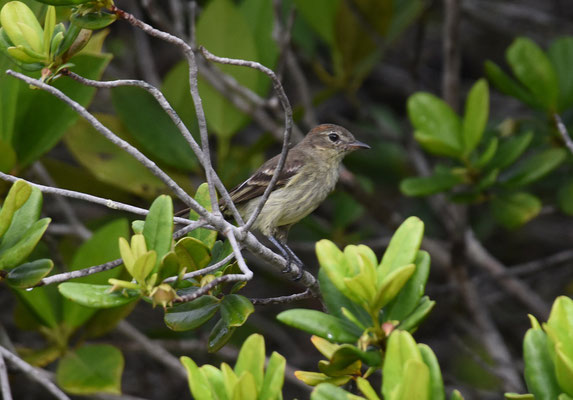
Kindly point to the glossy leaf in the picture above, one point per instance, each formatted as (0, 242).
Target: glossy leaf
(372, 357)
(560, 54)
(91, 369)
(192, 254)
(400, 349)
(509, 86)
(252, 359)
(327, 391)
(539, 370)
(320, 324)
(219, 336)
(15, 255)
(408, 298)
(437, 127)
(436, 381)
(235, 309)
(391, 285)
(532, 67)
(475, 116)
(439, 181)
(198, 383)
(509, 150)
(23, 219)
(536, 167)
(109, 163)
(274, 378)
(224, 31)
(515, 209)
(36, 135)
(93, 20)
(96, 296)
(193, 314)
(30, 273)
(152, 127)
(17, 196)
(158, 228)
(207, 236)
(403, 246)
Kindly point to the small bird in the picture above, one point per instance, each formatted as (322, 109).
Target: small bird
(309, 174)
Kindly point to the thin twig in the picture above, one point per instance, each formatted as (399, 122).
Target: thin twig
(79, 228)
(114, 205)
(563, 131)
(108, 134)
(166, 106)
(154, 350)
(519, 290)
(4, 381)
(34, 373)
(282, 299)
(203, 271)
(287, 123)
(66, 276)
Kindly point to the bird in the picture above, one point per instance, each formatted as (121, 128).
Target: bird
(309, 174)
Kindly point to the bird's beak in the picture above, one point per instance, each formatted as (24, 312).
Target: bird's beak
(358, 145)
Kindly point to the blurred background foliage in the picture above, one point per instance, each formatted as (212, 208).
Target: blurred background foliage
(488, 159)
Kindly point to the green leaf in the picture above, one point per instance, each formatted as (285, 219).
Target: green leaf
(415, 381)
(488, 153)
(219, 336)
(152, 127)
(274, 378)
(320, 16)
(436, 381)
(561, 56)
(207, 236)
(532, 67)
(36, 130)
(515, 209)
(224, 31)
(107, 162)
(198, 383)
(96, 296)
(559, 326)
(16, 198)
(456, 395)
(333, 262)
(327, 391)
(216, 382)
(366, 389)
(509, 86)
(476, 115)
(400, 349)
(564, 368)
(29, 274)
(321, 324)
(15, 255)
(9, 92)
(93, 20)
(235, 309)
(516, 396)
(91, 369)
(391, 285)
(425, 305)
(440, 181)
(192, 254)
(437, 128)
(565, 197)
(510, 150)
(252, 359)
(403, 247)
(158, 228)
(351, 353)
(539, 373)
(193, 314)
(407, 300)
(8, 159)
(536, 167)
(43, 303)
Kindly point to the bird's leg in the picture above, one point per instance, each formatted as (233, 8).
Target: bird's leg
(286, 255)
(279, 240)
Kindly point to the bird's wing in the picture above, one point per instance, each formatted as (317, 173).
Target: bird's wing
(255, 186)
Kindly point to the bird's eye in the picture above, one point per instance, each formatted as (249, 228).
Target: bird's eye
(333, 137)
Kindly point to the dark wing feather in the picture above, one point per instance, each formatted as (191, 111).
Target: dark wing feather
(255, 186)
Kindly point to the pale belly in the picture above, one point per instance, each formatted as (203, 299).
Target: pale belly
(290, 204)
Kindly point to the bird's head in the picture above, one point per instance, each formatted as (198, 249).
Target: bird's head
(332, 141)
